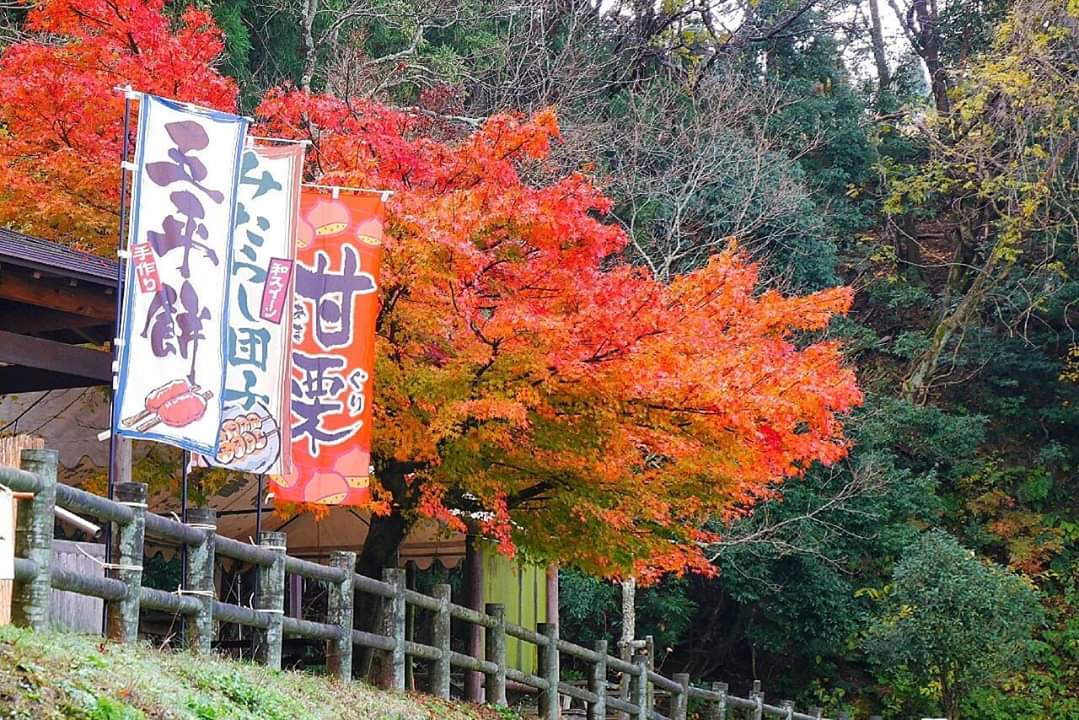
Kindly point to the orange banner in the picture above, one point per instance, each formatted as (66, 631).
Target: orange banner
(335, 304)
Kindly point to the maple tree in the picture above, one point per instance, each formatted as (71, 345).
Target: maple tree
(63, 120)
(530, 385)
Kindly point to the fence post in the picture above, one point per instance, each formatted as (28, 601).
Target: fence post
(875, 717)
(639, 694)
(394, 611)
(758, 698)
(650, 652)
(680, 701)
(788, 707)
(271, 599)
(549, 707)
(842, 716)
(440, 638)
(597, 683)
(200, 579)
(33, 541)
(123, 614)
(339, 607)
(816, 712)
(717, 710)
(495, 649)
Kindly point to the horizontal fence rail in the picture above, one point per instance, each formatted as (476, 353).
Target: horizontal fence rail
(125, 597)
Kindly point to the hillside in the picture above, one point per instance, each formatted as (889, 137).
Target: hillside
(46, 676)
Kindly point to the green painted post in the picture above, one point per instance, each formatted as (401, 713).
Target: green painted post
(123, 614)
(200, 579)
(717, 710)
(758, 697)
(394, 615)
(495, 649)
(440, 638)
(271, 599)
(597, 683)
(339, 612)
(639, 693)
(549, 706)
(33, 541)
(788, 707)
(680, 701)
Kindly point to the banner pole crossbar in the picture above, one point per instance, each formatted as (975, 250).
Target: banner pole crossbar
(131, 94)
(386, 194)
(278, 140)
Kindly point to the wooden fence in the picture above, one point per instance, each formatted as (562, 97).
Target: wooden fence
(125, 596)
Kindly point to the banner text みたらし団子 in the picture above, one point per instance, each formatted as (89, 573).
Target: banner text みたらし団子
(255, 416)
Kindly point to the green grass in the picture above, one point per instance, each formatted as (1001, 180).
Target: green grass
(54, 675)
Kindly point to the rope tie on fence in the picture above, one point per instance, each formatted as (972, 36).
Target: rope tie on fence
(267, 547)
(108, 565)
(202, 526)
(251, 606)
(132, 503)
(200, 593)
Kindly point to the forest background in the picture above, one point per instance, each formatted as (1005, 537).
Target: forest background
(923, 153)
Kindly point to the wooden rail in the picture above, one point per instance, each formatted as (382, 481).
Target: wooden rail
(125, 597)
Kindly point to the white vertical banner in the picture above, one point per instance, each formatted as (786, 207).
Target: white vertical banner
(258, 348)
(175, 311)
(7, 538)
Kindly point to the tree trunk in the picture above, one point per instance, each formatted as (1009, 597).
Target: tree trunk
(929, 48)
(880, 57)
(949, 696)
(916, 387)
(629, 629)
(310, 54)
(384, 537)
(379, 551)
(907, 251)
(383, 541)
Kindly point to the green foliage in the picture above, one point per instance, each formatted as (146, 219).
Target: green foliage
(590, 609)
(953, 621)
(109, 709)
(162, 574)
(57, 676)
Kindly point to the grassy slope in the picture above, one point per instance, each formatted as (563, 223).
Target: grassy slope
(45, 676)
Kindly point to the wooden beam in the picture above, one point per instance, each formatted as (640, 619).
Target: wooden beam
(31, 352)
(85, 299)
(15, 379)
(25, 319)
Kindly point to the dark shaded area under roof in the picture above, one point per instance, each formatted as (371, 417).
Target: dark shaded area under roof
(57, 309)
(37, 254)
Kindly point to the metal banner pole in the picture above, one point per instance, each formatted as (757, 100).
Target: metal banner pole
(125, 146)
(258, 505)
(185, 458)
